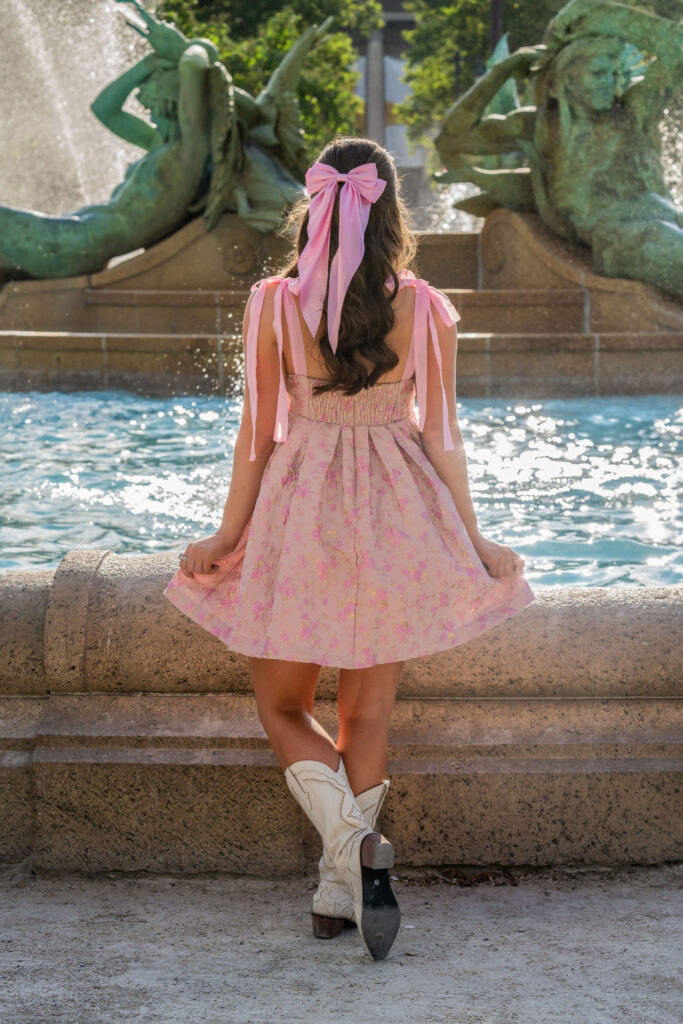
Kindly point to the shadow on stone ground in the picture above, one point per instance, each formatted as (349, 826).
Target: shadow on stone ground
(567, 946)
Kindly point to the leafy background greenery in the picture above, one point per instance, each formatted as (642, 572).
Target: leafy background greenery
(252, 37)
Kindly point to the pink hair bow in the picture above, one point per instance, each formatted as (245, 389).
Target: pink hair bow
(362, 186)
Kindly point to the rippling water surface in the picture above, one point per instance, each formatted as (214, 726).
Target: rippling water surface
(586, 490)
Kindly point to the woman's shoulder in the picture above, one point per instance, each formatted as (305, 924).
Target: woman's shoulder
(436, 296)
(263, 292)
(409, 278)
(439, 300)
(265, 281)
(405, 277)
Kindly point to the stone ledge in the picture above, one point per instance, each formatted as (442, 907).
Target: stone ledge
(189, 783)
(513, 252)
(126, 637)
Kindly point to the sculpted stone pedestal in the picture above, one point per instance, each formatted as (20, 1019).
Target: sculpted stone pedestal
(536, 321)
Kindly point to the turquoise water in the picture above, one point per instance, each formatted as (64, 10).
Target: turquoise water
(586, 490)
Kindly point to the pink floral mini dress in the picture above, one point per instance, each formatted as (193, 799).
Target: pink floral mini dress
(355, 553)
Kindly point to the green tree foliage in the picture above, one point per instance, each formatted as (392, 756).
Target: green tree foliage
(245, 20)
(464, 25)
(252, 39)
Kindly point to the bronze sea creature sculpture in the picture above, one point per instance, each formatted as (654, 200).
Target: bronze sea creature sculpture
(209, 147)
(599, 83)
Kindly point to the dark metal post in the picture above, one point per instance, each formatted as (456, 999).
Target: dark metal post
(496, 22)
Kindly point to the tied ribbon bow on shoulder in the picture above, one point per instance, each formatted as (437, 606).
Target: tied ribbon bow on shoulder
(362, 186)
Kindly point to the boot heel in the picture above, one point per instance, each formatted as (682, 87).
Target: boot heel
(326, 927)
(376, 852)
(326, 798)
(381, 916)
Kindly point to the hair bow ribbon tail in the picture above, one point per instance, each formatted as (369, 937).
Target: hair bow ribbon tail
(361, 188)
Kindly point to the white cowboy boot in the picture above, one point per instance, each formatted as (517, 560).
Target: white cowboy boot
(362, 856)
(332, 905)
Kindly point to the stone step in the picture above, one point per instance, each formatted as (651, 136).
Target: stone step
(139, 311)
(554, 364)
(534, 311)
(189, 783)
(569, 727)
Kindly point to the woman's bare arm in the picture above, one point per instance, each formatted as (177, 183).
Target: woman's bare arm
(245, 482)
(451, 466)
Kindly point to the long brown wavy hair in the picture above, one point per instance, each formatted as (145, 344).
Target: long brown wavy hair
(367, 315)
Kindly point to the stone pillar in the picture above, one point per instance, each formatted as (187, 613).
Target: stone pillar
(374, 86)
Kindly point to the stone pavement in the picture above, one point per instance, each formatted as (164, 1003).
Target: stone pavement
(561, 945)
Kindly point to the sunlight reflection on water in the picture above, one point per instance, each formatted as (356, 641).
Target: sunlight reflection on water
(586, 490)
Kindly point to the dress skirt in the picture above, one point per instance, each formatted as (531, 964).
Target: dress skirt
(355, 553)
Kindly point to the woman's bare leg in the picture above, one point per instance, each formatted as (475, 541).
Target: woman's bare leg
(365, 700)
(285, 692)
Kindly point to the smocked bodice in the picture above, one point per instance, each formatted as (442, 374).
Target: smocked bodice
(381, 403)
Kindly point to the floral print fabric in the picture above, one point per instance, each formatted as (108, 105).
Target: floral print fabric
(355, 553)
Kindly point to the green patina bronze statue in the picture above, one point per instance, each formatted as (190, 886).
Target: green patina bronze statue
(587, 129)
(211, 147)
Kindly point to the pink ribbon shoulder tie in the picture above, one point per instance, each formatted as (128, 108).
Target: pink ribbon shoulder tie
(281, 416)
(361, 188)
(424, 328)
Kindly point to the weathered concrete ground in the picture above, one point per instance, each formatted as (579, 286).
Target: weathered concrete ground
(559, 947)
